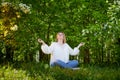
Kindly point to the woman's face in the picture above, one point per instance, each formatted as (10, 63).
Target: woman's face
(60, 36)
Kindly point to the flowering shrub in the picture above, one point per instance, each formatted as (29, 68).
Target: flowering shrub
(5, 6)
(9, 15)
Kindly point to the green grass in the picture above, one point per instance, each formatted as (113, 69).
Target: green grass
(41, 71)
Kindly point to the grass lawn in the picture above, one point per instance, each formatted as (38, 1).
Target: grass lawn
(41, 71)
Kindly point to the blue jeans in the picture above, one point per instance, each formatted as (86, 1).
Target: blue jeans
(70, 64)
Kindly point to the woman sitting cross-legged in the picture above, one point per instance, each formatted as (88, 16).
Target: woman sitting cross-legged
(60, 52)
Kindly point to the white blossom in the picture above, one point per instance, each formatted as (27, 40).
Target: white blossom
(5, 4)
(14, 28)
(24, 8)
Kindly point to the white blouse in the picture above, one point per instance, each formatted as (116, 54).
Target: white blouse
(59, 52)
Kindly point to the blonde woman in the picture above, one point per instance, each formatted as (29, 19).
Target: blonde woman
(60, 52)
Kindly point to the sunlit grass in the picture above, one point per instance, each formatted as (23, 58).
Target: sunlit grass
(7, 73)
(41, 71)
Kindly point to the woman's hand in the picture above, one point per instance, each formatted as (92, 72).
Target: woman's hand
(81, 44)
(41, 41)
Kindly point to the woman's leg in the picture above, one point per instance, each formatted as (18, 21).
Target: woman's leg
(62, 64)
(70, 64)
(73, 63)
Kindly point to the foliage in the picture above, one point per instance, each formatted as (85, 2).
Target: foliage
(40, 72)
(10, 14)
(94, 22)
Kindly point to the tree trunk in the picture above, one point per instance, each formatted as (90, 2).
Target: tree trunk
(1, 57)
(9, 53)
(108, 56)
(87, 56)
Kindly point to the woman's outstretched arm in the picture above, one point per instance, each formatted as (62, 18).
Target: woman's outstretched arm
(81, 44)
(45, 48)
(76, 50)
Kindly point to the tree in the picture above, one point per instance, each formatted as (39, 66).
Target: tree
(94, 22)
(9, 15)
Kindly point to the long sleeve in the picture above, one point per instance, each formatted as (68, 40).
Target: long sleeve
(47, 49)
(74, 51)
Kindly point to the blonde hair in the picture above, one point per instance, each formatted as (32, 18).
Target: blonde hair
(64, 37)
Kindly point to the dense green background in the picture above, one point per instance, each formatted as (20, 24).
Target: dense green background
(95, 22)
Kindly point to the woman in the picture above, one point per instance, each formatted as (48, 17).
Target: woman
(60, 52)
